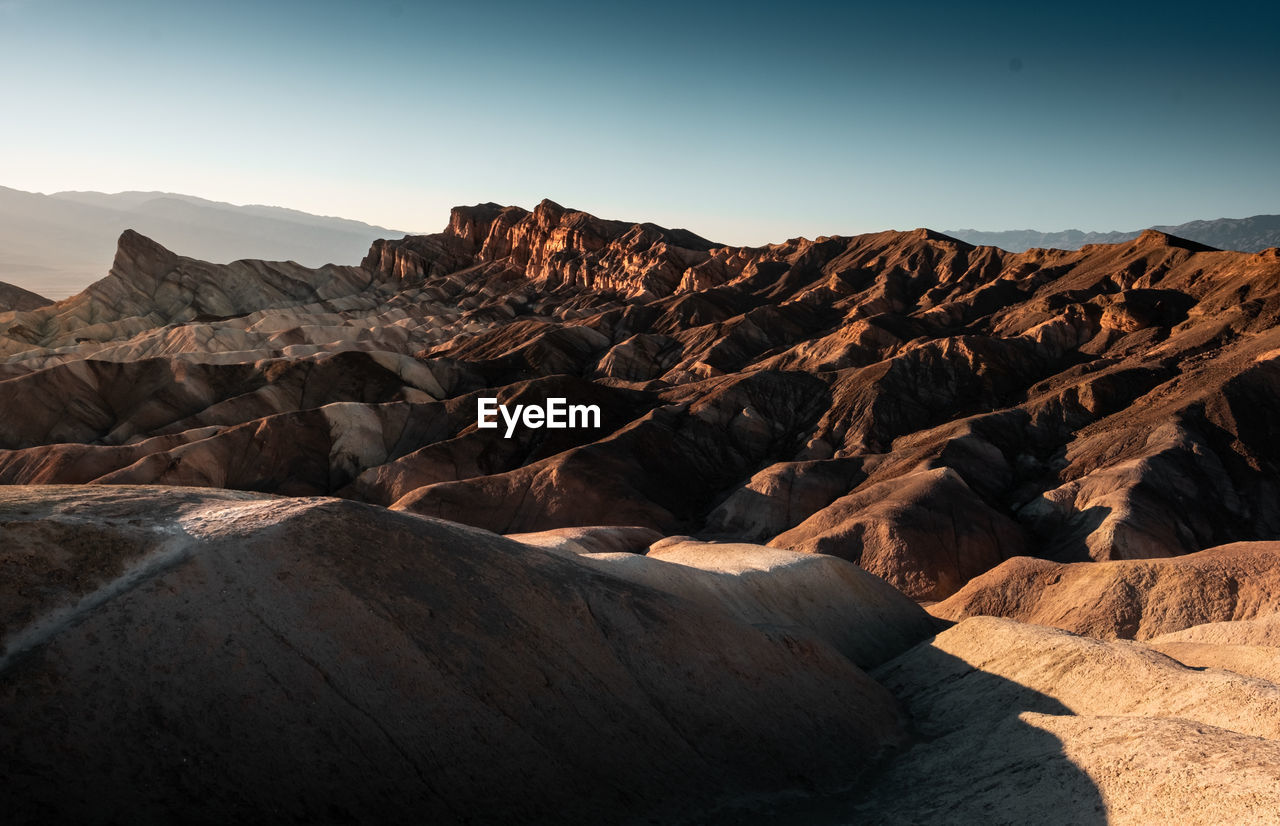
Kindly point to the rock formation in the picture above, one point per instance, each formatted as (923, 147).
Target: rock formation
(904, 400)
(178, 653)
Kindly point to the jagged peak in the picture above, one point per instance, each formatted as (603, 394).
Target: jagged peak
(900, 238)
(133, 240)
(1152, 237)
(550, 215)
(926, 234)
(1156, 238)
(136, 253)
(550, 207)
(472, 223)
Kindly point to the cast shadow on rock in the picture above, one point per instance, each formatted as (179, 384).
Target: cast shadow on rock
(978, 755)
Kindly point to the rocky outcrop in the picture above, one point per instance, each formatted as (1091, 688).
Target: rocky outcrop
(552, 247)
(150, 287)
(659, 471)
(57, 244)
(782, 495)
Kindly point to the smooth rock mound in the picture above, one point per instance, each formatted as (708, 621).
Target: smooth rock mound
(858, 613)
(1259, 661)
(1244, 646)
(601, 539)
(1131, 599)
(927, 533)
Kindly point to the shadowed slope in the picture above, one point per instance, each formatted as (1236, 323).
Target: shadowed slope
(1020, 723)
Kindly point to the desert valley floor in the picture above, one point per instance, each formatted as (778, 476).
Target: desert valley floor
(876, 529)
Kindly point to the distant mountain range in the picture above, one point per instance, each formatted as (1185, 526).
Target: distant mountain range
(1253, 234)
(58, 244)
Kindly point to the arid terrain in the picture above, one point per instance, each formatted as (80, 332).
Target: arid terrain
(876, 529)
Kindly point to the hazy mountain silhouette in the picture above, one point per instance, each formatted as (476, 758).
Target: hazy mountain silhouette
(1253, 234)
(56, 245)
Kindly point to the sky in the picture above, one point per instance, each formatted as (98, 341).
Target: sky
(745, 122)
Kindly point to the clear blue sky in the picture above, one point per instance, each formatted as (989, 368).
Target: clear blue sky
(743, 121)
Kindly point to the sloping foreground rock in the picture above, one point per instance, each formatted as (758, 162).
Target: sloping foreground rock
(218, 657)
(1132, 599)
(1025, 724)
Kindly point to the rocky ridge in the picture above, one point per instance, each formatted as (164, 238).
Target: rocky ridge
(13, 298)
